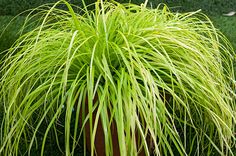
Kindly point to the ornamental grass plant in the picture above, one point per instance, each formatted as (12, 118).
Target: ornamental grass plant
(160, 77)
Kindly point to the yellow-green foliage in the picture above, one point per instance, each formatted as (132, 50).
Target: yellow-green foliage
(166, 76)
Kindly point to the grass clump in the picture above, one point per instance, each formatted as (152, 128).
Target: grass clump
(155, 74)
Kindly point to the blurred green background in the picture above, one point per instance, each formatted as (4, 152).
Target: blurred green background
(213, 8)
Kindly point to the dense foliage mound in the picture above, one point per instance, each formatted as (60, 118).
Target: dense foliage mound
(159, 75)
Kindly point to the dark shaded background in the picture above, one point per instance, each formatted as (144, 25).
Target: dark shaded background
(14, 7)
